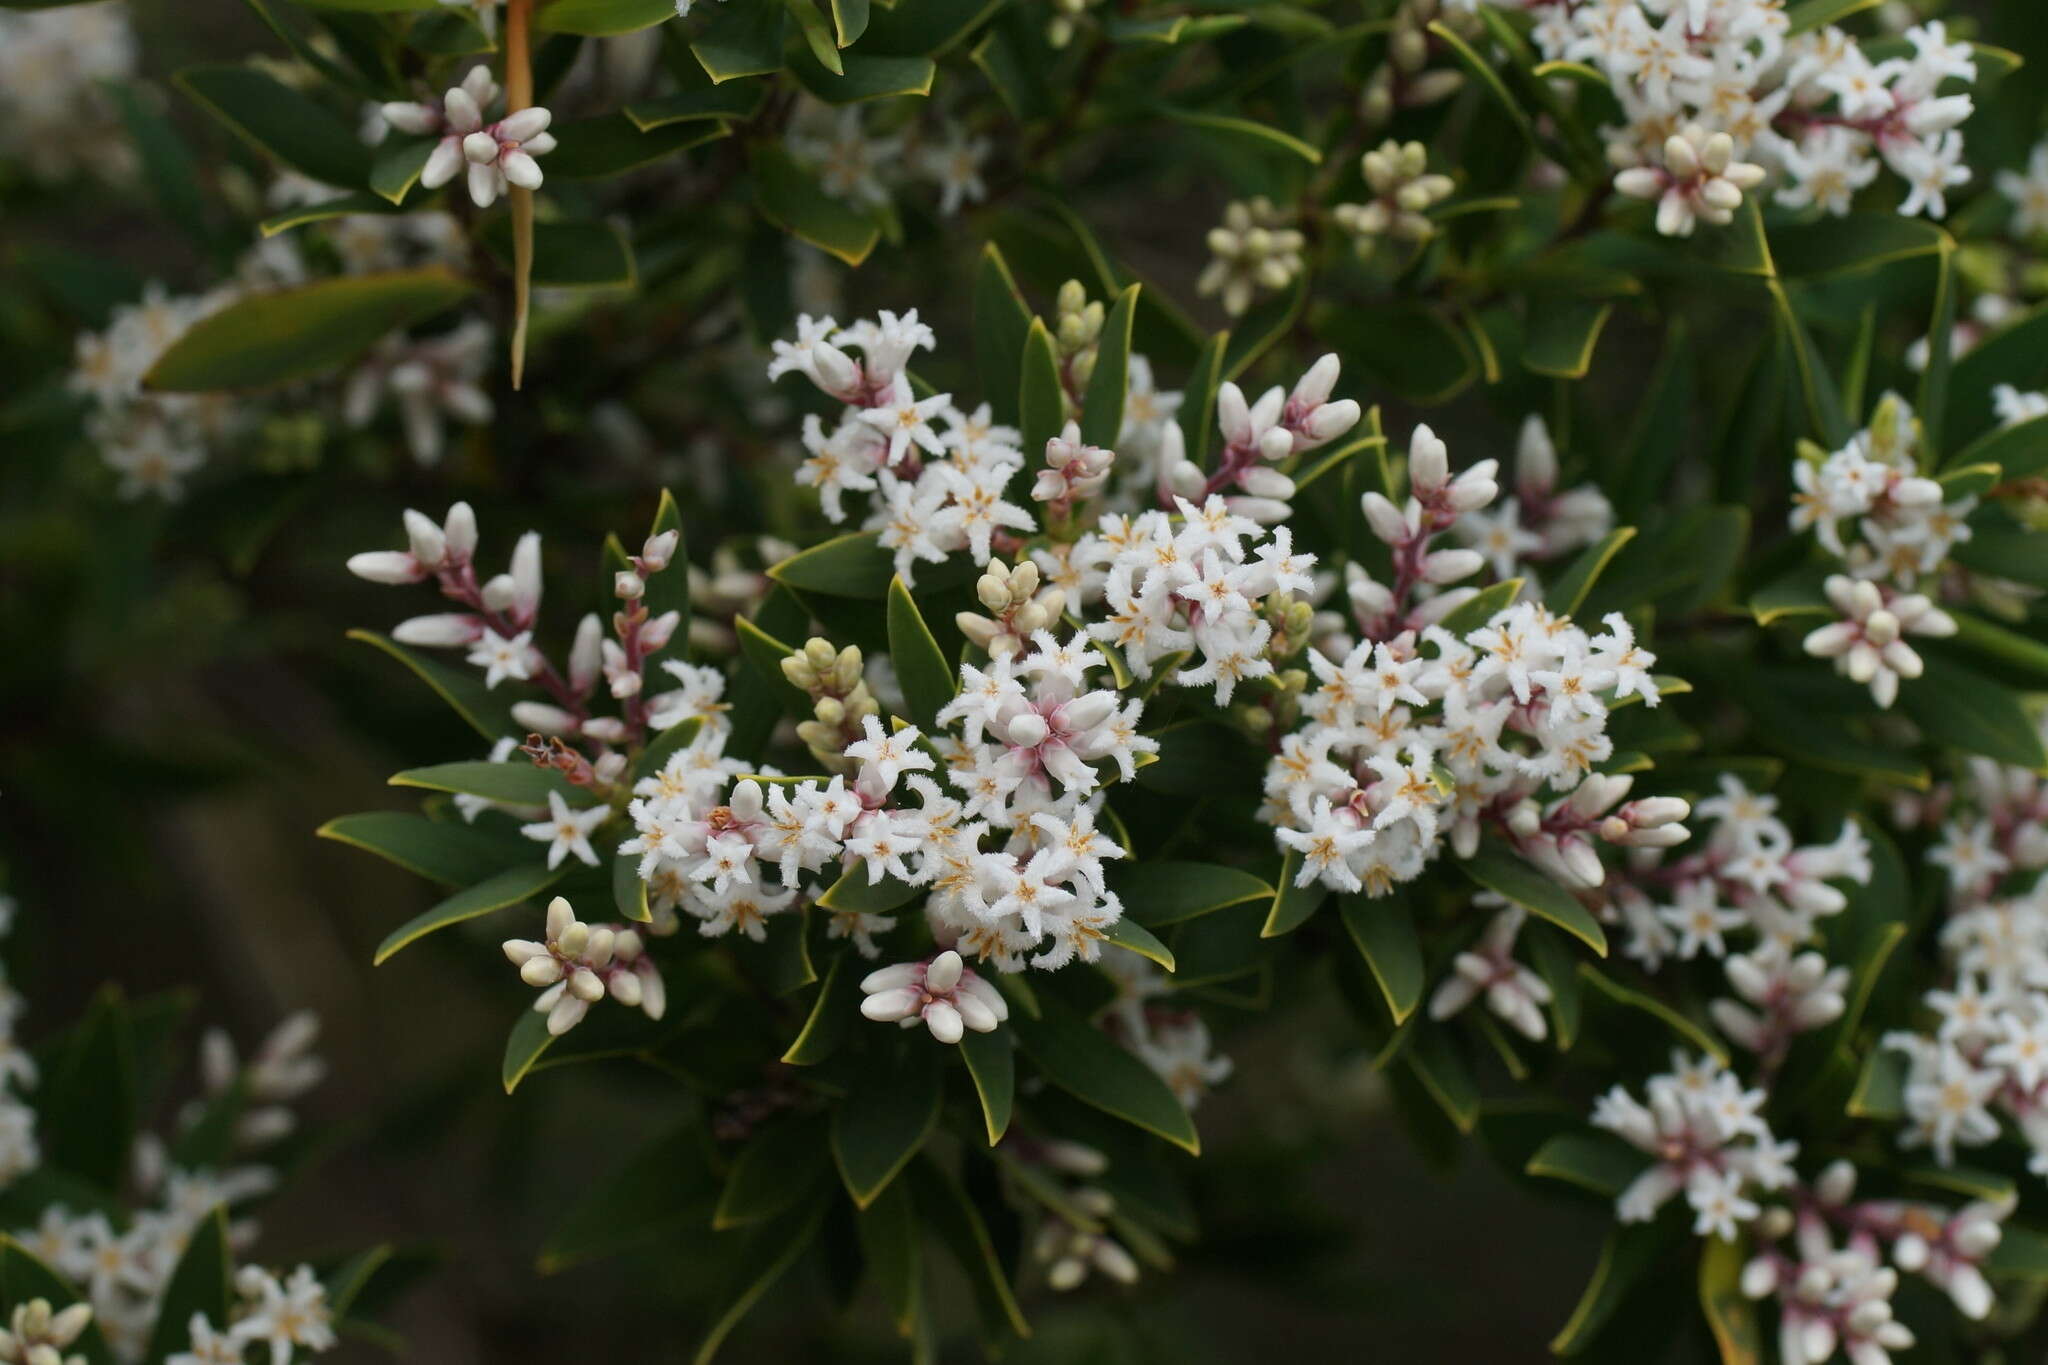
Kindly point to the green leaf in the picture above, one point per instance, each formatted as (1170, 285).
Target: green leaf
(23, 1277)
(2015, 354)
(327, 209)
(2021, 1254)
(613, 144)
(1265, 324)
(290, 334)
(1501, 871)
(668, 743)
(1631, 1253)
(865, 77)
(1128, 933)
(1685, 1030)
(167, 164)
(201, 1283)
(1001, 322)
(602, 18)
(1482, 71)
(1568, 593)
(885, 1120)
(793, 200)
(1082, 1060)
(398, 165)
(852, 565)
(923, 28)
(837, 1003)
(1808, 15)
(1443, 1073)
(445, 852)
(1562, 334)
(947, 1210)
(891, 1244)
(926, 678)
(523, 1047)
(1593, 1161)
(1479, 609)
(1292, 905)
(508, 888)
(1041, 402)
(1880, 1087)
(1165, 892)
(1383, 931)
(569, 255)
(817, 37)
(1407, 347)
(629, 893)
(87, 1104)
(1198, 406)
(1965, 710)
(1254, 136)
(1102, 411)
(849, 20)
(1860, 241)
(763, 1256)
(280, 122)
(779, 1167)
(721, 102)
(743, 40)
(665, 1190)
(513, 784)
(992, 1065)
(2008, 647)
(2020, 451)
(485, 712)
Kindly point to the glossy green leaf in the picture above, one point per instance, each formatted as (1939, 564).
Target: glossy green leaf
(2015, 354)
(742, 40)
(668, 743)
(1262, 326)
(87, 1101)
(1684, 1030)
(486, 712)
(992, 1065)
(1292, 905)
(1807, 15)
(832, 1012)
(601, 18)
(1407, 347)
(290, 334)
(1102, 410)
(1001, 322)
(508, 888)
(613, 144)
(517, 783)
(1477, 610)
(817, 36)
(852, 565)
(946, 1208)
(2021, 1254)
(883, 1123)
(780, 1165)
(761, 1256)
(792, 198)
(2019, 451)
(891, 1244)
(398, 165)
(664, 1190)
(1442, 1072)
(569, 255)
(1198, 403)
(716, 102)
(1128, 933)
(1041, 401)
(446, 852)
(1860, 241)
(1383, 931)
(1482, 71)
(864, 77)
(2006, 646)
(1568, 593)
(1595, 1161)
(1962, 709)
(524, 1046)
(1562, 335)
(280, 122)
(1500, 871)
(922, 672)
(167, 164)
(202, 1282)
(1156, 893)
(1083, 1061)
(1249, 133)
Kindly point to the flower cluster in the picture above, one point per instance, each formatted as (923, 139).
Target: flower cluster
(1418, 731)
(124, 1261)
(1172, 1040)
(1715, 95)
(1985, 1052)
(19, 1153)
(152, 440)
(1707, 1137)
(496, 155)
(1538, 523)
(55, 66)
(1255, 248)
(1901, 532)
(578, 965)
(857, 166)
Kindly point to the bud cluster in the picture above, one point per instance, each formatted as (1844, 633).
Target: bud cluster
(578, 965)
(840, 700)
(1256, 247)
(1403, 190)
(1018, 609)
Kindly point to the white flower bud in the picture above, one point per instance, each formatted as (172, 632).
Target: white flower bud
(392, 567)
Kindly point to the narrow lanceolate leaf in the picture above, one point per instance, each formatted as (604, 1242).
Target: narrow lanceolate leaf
(791, 198)
(743, 40)
(951, 1214)
(761, 1256)
(602, 18)
(1562, 335)
(1383, 931)
(1292, 904)
(1248, 133)
(523, 1047)
(292, 334)
(508, 888)
(629, 893)
(201, 1283)
(398, 165)
(1001, 322)
(1161, 893)
(1965, 710)
(281, 122)
(1571, 587)
(838, 1001)
(1631, 1254)
(892, 1245)
(1499, 870)
(926, 678)
(516, 783)
(486, 712)
(992, 1065)
(1041, 403)
(451, 853)
(1128, 933)
(1102, 410)
(779, 1166)
(1083, 1061)
(878, 1128)
(1598, 1162)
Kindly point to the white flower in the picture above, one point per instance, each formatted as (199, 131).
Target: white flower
(567, 831)
(284, 1315)
(502, 154)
